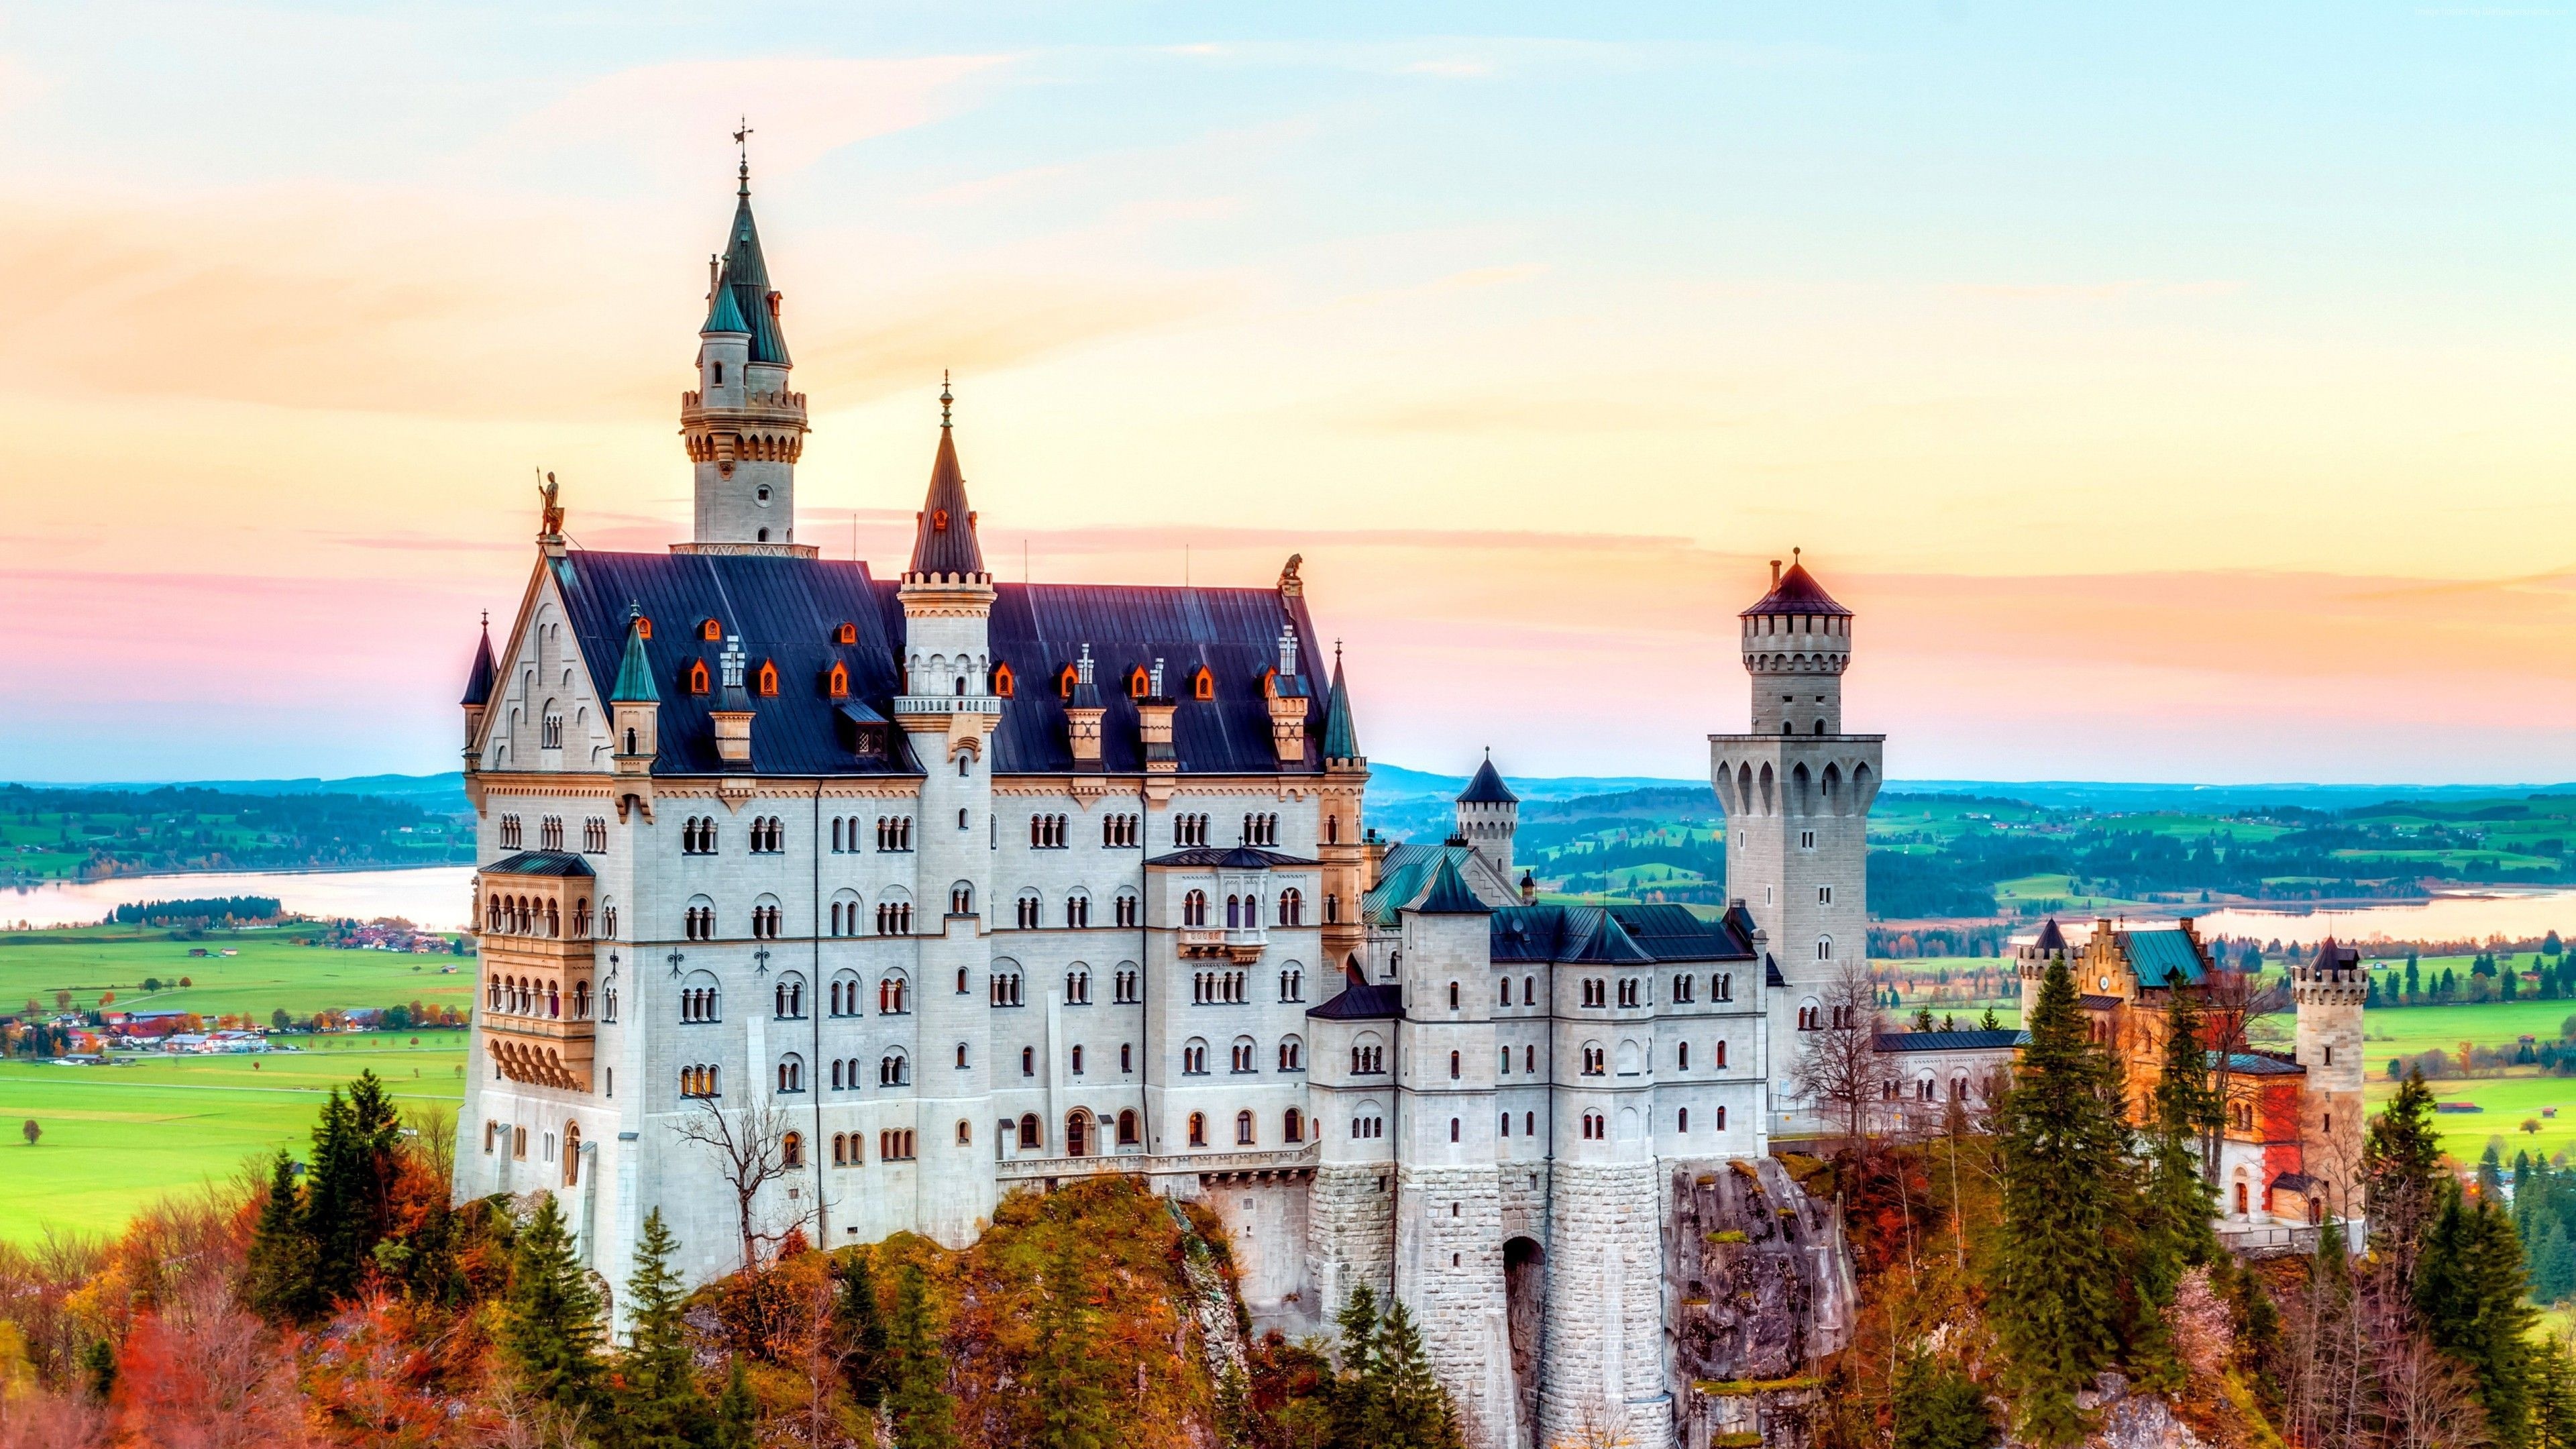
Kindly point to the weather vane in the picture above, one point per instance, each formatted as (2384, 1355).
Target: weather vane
(742, 144)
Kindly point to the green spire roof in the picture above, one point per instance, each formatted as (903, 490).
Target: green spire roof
(1449, 895)
(635, 674)
(1341, 736)
(741, 302)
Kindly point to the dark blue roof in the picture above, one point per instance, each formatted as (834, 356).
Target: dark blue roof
(1951, 1041)
(1673, 933)
(2164, 956)
(1487, 788)
(1561, 934)
(2050, 938)
(478, 675)
(1223, 857)
(943, 543)
(1796, 592)
(787, 611)
(2259, 1064)
(541, 862)
(1361, 1002)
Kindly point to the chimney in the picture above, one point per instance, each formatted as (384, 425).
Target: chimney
(1775, 573)
(1288, 703)
(1154, 726)
(733, 711)
(1082, 715)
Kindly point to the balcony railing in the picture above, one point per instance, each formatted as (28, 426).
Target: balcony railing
(947, 704)
(1128, 1160)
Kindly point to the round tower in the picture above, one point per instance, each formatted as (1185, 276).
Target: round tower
(742, 427)
(1488, 814)
(1797, 641)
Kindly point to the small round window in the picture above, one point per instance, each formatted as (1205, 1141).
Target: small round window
(763, 494)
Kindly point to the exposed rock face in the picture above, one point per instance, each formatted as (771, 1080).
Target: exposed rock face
(2131, 1421)
(1759, 1286)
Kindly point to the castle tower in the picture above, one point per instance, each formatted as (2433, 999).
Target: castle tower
(1343, 851)
(741, 426)
(2031, 963)
(948, 712)
(1448, 1219)
(2328, 990)
(1796, 791)
(1488, 813)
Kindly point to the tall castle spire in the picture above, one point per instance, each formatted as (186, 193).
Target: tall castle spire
(943, 544)
(743, 428)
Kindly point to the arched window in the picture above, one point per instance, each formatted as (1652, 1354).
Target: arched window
(1681, 1121)
(791, 1073)
(1203, 684)
(1005, 683)
(1028, 1131)
(572, 1154)
(710, 630)
(697, 678)
(894, 1069)
(1127, 1129)
(1720, 1049)
(1194, 909)
(765, 681)
(789, 996)
(1194, 1057)
(1140, 685)
(1292, 1054)
(961, 899)
(1293, 1127)
(848, 633)
(1244, 1135)
(1824, 948)
(837, 685)
(1245, 1054)
(890, 995)
(1198, 1129)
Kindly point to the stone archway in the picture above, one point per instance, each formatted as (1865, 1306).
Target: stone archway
(1077, 1133)
(1525, 1314)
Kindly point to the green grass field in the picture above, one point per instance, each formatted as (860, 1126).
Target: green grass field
(270, 973)
(117, 1138)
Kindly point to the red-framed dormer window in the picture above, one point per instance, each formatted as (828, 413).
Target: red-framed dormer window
(1064, 681)
(711, 631)
(837, 683)
(1270, 683)
(766, 681)
(643, 626)
(1139, 683)
(1203, 684)
(1005, 683)
(848, 633)
(697, 676)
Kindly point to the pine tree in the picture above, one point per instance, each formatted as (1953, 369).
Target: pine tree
(1067, 1395)
(278, 1271)
(1360, 1418)
(2055, 1276)
(2175, 1209)
(1418, 1415)
(349, 1186)
(549, 1329)
(737, 1412)
(917, 1391)
(859, 1326)
(659, 1405)
(2469, 1288)
(2491, 1174)
(1938, 1407)
(2401, 1162)
(2553, 1400)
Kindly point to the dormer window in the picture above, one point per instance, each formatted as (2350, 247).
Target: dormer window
(837, 683)
(1139, 683)
(1064, 682)
(766, 681)
(643, 627)
(697, 676)
(848, 633)
(939, 520)
(1005, 683)
(711, 631)
(1203, 684)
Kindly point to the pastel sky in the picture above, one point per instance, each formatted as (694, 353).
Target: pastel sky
(2179, 394)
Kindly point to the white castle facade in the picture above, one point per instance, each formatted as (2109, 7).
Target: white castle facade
(966, 887)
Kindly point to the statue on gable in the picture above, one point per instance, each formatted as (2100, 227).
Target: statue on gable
(552, 531)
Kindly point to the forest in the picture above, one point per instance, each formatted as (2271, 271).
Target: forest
(81, 834)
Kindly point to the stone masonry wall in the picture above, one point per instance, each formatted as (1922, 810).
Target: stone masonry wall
(1604, 1357)
(1350, 1234)
(1449, 1272)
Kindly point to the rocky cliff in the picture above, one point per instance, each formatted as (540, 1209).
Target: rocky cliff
(1758, 1287)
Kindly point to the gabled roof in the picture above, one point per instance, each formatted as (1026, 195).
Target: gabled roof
(1359, 1001)
(1487, 788)
(1673, 933)
(1223, 857)
(2100, 1003)
(2259, 1064)
(788, 611)
(541, 862)
(1562, 935)
(635, 670)
(478, 675)
(943, 540)
(1952, 1041)
(1405, 873)
(1449, 895)
(2163, 955)
(1771, 976)
(1341, 731)
(1796, 592)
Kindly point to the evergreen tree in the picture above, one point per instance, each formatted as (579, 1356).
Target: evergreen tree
(1359, 1408)
(98, 1369)
(1938, 1407)
(1991, 1021)
(2469, 1287)
(2174, 1212)
(859, 1325)
(2553, 1400)
(659, 1405)
(917, 1389)
(549, 1331)
(2055, 1275)
(349, 1186)
(2414, 986)
(737, 1412)
(278, 1271)
(2401, 1162)
(1418, 1415)
(1922, 1018)
(2491, 1174)
(1067, 1398)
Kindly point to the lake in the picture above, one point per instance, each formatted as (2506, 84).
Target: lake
(2461, 916)
(439, 897)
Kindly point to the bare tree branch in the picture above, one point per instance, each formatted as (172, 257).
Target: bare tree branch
(1839, 1066)
(751, 1151)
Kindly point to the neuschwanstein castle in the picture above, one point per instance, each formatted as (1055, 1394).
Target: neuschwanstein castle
(969, 887)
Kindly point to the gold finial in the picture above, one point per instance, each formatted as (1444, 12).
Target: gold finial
(944, 398)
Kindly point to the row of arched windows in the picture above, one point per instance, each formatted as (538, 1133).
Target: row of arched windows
(1247, 1128)
(531, 916)
(525, 996)
(768, 836)
(1243, 1056)
(1046, 832)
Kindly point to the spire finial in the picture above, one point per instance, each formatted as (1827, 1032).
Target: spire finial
(487, 621)
(944, 398)
(742, 144)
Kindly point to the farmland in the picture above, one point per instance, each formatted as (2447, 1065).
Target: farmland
(60, 834)
(115, 1138)
(270, 973)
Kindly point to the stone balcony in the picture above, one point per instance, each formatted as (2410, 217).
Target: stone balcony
(1241, 944)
